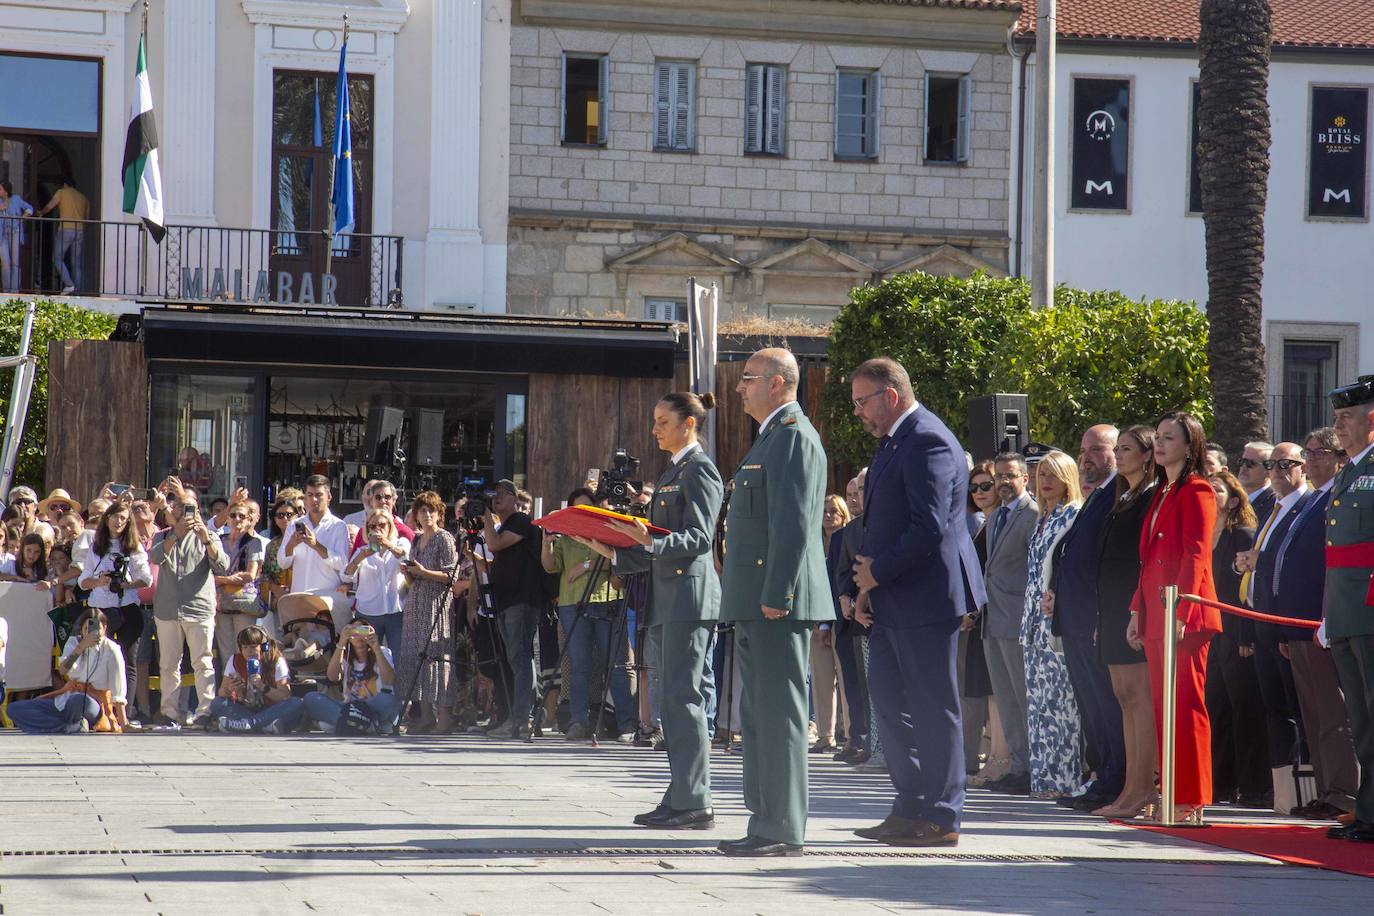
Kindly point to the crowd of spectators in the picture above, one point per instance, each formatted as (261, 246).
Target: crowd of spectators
(304, 620)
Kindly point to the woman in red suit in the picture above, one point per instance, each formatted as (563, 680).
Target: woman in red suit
(1176, 549)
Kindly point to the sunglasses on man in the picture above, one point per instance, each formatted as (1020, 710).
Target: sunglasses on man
(1283, 464)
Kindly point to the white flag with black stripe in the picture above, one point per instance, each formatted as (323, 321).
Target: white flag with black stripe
(142, 177)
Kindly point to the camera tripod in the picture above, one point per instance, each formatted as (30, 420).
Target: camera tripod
(619, 615)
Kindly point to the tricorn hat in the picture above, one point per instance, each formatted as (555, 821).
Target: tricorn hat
(1361, 391)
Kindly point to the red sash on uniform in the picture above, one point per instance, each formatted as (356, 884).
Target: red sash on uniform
(1353, 556)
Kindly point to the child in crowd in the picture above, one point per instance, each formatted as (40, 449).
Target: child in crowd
(29, 564)
(60, 570)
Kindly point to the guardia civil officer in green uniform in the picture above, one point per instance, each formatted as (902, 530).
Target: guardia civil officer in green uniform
(683, 603)
(775, 588)
(1349, 617)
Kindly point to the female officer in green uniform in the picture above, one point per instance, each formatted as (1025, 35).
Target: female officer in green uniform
(683, 602)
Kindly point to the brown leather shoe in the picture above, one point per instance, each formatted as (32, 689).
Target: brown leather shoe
(891, 826)
(923, 833)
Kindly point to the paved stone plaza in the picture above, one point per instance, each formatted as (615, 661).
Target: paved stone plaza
(203, 823)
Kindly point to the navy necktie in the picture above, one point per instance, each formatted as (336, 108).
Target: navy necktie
(998, 521)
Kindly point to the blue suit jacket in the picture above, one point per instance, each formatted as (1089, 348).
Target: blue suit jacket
(1265, 599)
(915, 529)
(1074, 579)
(1300, 568)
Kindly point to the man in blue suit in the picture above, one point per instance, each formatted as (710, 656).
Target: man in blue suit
(1298, 586)
(910, 581)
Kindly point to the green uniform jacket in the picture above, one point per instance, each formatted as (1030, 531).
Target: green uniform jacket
(773, 549)
(1350, 520)
(682, 577)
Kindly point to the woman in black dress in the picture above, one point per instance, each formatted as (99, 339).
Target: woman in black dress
(1240, 745)
(975, 684)
(1118, 574)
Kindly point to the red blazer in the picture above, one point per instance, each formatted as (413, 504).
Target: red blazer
(1177, 550)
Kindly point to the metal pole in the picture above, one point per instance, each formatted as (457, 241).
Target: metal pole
(1169, 710)
(1042, 232)
(19, 403)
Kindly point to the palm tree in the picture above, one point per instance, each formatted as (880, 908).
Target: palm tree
(1233, 154)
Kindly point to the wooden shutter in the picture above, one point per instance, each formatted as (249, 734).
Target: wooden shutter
(965, 117)
(871, 121)
(603, 94)
(683, 113)
(662, 105)
(753, 109)
(777, 83)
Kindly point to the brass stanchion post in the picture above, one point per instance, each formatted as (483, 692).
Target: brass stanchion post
(1169, 711)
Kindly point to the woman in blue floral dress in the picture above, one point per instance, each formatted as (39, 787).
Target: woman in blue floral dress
(1053, 725)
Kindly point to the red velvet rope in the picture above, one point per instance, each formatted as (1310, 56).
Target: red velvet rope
(1253, 615)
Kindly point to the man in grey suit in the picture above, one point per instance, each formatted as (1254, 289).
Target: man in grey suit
(1009, 532)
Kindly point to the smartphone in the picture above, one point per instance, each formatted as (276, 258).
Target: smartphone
(240, 482)
(188, 511)
(593, 478)
(362, 630)
(144, 493)
(119, 489)
(92, 627)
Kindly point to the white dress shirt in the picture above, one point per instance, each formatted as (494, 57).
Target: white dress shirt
(898, 422)
(1281, 508)
(379, 580)
(311, 572)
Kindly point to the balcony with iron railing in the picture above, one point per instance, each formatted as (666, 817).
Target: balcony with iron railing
(198, 263)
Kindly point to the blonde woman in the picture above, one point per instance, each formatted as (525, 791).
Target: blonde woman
(1053, 726)
(376, 568)
(825, 683)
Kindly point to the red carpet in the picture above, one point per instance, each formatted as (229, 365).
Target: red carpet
(1291, 843)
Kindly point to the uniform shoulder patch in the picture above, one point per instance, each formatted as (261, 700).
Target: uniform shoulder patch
(789, 421)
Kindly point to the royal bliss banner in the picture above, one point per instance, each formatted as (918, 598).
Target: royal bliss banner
(1337, 162)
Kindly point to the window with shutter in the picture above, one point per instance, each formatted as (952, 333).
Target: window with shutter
(674, 105)
(947, 118)
(662, 309)
(856, 114)
(764, 85)
(584, 100)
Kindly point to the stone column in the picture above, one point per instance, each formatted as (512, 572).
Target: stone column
(186, 112)
(453, 246)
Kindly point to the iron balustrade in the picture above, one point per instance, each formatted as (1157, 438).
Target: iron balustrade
(198, 263)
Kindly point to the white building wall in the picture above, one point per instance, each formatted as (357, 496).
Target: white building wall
(1313, 272)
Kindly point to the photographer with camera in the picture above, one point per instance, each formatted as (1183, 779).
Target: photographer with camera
(683, 602)
(517, 586)
(189, 556)
(255, 695)
(362, 668)
(116, 568)
(92, 699)
(317, 545)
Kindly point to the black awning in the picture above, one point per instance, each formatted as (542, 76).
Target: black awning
(411, 340)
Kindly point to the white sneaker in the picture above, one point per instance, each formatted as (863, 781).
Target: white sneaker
(68, 290)
(227, 724)
(77, 727)
(272, 728)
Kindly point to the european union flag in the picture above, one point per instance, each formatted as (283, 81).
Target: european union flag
(342, 194)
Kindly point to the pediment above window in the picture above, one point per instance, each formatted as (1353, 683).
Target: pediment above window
(944, 261)
(675, 253)
(813, 258)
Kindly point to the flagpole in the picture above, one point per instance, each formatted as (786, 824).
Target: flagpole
(329, 231)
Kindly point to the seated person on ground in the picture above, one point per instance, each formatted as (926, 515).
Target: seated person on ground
(93, 697)
(255, 695)
(362, 667)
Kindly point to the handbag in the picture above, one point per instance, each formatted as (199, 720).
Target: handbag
(356, 718)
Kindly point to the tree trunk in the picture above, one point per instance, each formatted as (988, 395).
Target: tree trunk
(1233, 153)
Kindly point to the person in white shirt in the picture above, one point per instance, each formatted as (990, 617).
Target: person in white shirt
(116, 567)
(376, 568)
(317, 546)
(356, 519)
(93, 661)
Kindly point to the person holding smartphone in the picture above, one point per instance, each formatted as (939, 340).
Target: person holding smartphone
(376, 569)
(362, 668)
(683, 602)
(93, 697)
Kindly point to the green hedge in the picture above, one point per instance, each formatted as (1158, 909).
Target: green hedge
(54, 321)
(1094, 357)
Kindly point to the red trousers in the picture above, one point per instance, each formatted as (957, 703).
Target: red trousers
(1193, 730)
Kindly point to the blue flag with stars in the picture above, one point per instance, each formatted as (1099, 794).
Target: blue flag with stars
(342, 194)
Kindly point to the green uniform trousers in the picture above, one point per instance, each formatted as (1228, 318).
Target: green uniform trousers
(683, 712)
(774, 659)
(1354, 660)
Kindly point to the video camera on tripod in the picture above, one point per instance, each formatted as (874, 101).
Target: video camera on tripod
(475, 509)
(615, 486)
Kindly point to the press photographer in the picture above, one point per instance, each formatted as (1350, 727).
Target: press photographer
(118, 569)
(92, 699)
(518, 595)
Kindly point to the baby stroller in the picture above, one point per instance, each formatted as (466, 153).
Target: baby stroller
(308, 638)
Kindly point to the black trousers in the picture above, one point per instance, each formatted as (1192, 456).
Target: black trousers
(1240, 743)
(491, 662)
(1280, 698)
(855, 680)
(1103, 734)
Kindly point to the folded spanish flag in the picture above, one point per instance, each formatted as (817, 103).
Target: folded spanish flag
(593, 522)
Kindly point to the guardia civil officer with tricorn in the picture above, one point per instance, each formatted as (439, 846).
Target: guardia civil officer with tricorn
(1349, 612)
(683, 602)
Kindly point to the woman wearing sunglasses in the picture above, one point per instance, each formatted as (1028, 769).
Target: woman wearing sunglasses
(275, 581)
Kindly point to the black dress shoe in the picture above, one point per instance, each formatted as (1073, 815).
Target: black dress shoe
(858, 756)
(1358, 831)
(758, 846)
(643, 819)
(1013, 784)
(691, 819)
(1084, 802)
